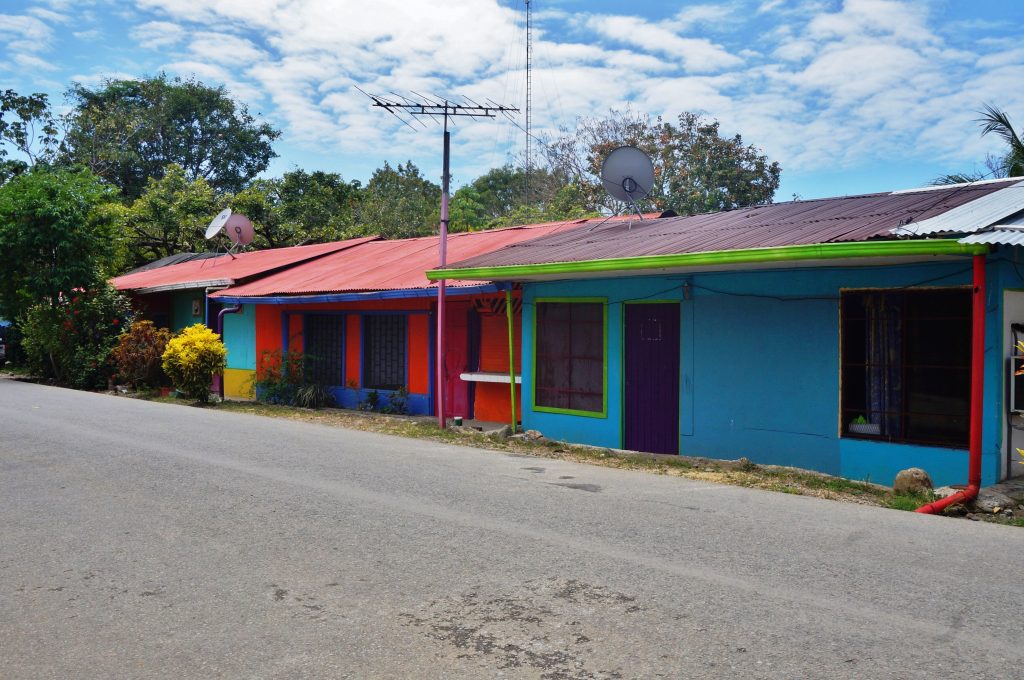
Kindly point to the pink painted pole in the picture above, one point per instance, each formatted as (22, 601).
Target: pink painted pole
(442, 373)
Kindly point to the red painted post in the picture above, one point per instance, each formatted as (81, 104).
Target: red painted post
(977, 394)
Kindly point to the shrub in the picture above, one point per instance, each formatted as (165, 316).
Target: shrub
(278, 376)
(313, 396)
(139, 353)
(70, 339)
(191, 360)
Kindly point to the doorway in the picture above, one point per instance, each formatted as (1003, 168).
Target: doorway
(651, 376)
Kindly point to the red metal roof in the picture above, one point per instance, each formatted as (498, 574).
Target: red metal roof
(226, 269)
(829, 220)
(392, 265)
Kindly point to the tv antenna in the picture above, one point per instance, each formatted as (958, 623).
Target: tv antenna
(444, 110)
(237, 226)
(628, 175)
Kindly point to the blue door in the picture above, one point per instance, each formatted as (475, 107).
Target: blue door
(651, 370)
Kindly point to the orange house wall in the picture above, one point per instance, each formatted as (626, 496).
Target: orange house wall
(492, 399)
(418, 351)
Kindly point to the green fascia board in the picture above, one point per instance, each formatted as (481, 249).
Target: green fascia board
(816, 251)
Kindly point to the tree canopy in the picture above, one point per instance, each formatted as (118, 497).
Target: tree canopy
(55, 236)
(499, 198)
(696, 170)
(169, 217)
(400, 202)
(128, 131)
(300, 207)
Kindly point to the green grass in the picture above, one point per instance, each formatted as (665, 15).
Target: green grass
(908, 502)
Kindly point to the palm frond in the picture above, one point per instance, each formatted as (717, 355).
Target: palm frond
(994, 120)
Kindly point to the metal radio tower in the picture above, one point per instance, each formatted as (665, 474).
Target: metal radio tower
(529, 99)
(439, 109)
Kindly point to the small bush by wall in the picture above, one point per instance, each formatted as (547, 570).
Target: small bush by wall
(191, 360)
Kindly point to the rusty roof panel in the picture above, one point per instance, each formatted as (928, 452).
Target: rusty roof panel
(392, 265)
(227, 269)
(828, 220)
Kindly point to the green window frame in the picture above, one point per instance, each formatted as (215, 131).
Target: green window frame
(570, 357)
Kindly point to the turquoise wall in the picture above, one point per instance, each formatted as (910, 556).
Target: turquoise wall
(240, 338)
(181, 309)
(760, 376)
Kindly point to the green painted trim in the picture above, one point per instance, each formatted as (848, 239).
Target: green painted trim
(817, 251)
(604, 368)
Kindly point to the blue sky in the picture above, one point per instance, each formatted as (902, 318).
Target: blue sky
(849, 96)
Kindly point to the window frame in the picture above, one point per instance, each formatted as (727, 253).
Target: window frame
(364, 354)
(603, 413)
(903, 412)
(305, 344)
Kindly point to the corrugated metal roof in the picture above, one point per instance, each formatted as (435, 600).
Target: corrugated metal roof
(227, 269)
(972, 216)
(997, 237)
(177, 258)
(392, 265)
(829, 220)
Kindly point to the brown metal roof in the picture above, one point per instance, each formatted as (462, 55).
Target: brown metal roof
(827, 220)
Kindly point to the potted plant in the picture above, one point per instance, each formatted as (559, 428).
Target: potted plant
(860, 425)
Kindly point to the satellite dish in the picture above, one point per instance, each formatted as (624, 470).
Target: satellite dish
(239, 229)
(628, 174)
(218, 223)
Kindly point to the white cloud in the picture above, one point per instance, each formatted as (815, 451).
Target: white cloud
(156, 35)
(224, 48)
(697, 55)
(30, 33)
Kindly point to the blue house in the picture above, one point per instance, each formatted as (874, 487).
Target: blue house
(856, 336)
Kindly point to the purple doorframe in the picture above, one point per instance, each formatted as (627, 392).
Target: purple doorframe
(651, 373)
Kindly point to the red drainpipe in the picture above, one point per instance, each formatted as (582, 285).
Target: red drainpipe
(977, 395)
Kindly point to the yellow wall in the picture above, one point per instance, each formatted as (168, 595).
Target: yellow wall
(238, 383)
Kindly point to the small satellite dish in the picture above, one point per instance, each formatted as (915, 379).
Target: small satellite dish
(627, 174)
(239, 229)
(218, 223)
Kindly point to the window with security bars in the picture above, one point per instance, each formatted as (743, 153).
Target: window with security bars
(323, 349)
(569, 356)
(384, 351)
(906, 366)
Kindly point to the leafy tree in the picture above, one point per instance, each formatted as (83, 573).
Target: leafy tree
(498, 198)
(300, 207)
(1010, 164)
(129, 131)
(28, 125)
(56, 234)
(170, 216)
(399, 202)
(695, 168)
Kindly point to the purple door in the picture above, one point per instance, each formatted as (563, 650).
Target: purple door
(652, 377)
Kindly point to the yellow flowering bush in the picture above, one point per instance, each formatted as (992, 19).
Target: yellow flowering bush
(191, 360)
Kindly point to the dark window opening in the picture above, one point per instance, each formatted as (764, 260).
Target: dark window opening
(906, 366)
(570, 356)
(323, 349)
(384, 351)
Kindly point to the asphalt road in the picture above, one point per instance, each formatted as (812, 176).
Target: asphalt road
(144, 540)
